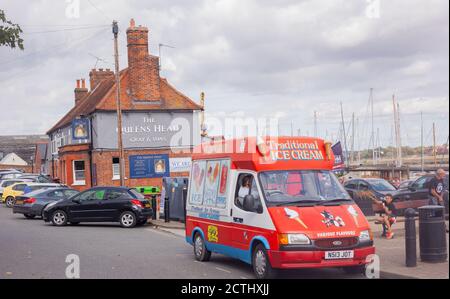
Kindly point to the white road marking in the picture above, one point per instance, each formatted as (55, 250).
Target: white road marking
(223, 270)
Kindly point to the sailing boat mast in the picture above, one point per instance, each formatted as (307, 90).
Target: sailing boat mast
(400, 155)
(372, 136)
(345, 135)
(422, 162)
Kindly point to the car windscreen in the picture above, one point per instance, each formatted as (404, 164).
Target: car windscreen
(301, 185)
(382, 186)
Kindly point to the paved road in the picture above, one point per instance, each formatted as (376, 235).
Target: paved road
(34, 249)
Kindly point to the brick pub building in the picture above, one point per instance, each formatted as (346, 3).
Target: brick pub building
(158, 123)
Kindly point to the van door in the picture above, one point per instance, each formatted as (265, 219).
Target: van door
(247, 223)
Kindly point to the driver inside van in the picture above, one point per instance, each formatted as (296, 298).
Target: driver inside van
(246, 189)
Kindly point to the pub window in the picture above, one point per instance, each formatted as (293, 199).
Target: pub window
(116, 168)
(79, 177)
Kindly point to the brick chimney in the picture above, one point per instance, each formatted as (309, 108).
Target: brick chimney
(143, 68)
(97, 76)
(80, 91)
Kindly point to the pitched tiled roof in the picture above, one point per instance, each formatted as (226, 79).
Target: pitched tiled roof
(103, 98)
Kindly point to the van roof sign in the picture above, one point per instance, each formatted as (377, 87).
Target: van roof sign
(270, 153)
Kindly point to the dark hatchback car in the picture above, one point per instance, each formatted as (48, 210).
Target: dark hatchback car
(32, 204)
(359, 189)
(101, 204)
(416, 194)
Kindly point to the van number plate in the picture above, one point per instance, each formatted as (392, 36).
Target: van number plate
(338, 255)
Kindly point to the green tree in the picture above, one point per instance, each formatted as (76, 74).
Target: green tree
(9, 33)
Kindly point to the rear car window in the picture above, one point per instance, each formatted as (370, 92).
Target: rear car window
(70, 193)
(19, 187)
(117, 194)
(136, 194)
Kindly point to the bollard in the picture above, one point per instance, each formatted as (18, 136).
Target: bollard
(410, 238)
(155, 209)
(166, 210)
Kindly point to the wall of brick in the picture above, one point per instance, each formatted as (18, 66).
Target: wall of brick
(27, 168)
(143, 67)
(67, 156)
(104, 167)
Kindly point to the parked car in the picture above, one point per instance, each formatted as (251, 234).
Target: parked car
(416, 194)
(405, 184)
(362, 189)
(101, 204)
(33, 203)
(7, 183)
(10, 174)
(10, 193)
(40, 178)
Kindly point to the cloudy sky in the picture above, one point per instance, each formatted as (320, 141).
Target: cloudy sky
(253, 58)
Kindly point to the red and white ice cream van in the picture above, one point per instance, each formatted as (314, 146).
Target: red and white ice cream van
(274, 203)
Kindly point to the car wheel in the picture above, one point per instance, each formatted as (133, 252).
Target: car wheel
(261, 264)
(128, 219)
(59, 218)
(355, 270)
(29, 216)
(9, 201)
(202, 254)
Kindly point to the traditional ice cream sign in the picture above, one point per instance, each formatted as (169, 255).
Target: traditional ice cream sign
(295, 150)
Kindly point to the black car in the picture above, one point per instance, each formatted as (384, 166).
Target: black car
(416, 194)
(361, 189)
(101, 204)
(33, 203)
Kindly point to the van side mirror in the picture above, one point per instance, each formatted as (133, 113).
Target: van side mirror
(249, 203)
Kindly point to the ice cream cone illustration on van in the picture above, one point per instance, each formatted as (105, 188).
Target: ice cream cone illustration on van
(295, 216)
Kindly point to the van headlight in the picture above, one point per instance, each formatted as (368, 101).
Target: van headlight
(365, 235)
(294, 239)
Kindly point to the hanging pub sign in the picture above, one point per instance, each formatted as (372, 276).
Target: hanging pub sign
(339, 160)
(80, 129)
(149, 166)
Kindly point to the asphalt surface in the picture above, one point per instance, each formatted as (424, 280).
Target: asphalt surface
(35, 249)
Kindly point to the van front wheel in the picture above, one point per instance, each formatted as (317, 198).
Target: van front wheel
(261, 264)
(201, 253)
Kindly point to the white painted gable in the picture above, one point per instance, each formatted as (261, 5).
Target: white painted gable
(13, 159)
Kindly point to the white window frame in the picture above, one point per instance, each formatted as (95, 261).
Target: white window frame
(75, 181)
(115, 169)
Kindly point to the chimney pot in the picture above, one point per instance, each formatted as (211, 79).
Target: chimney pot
(83, 83)
(132, 23)
(78, 83)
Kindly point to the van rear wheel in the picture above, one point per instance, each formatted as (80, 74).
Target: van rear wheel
(261, 264)
(201, 253)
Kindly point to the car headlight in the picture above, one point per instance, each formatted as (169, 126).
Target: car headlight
(294, 239)
(365, 235)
